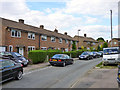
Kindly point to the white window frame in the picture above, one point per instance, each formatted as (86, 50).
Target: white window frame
(11, 48)
(60, 40)
(115, 43)
(44, 48)
(31, 47)
(18, 32)
(53, 38)
(66, 41)
(31, 34)
(43, 36)
(94, 43)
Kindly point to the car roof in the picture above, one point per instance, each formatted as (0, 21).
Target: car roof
(60, 54)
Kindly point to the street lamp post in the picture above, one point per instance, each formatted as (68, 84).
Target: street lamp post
(78, 37)
(111, 26)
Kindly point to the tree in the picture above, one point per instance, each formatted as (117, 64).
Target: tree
(98, 48)
(101, 39)
(105, 45)
(73, 46)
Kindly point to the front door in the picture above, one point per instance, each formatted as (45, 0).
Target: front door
(21, 51)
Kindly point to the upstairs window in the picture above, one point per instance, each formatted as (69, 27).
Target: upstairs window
(44, 38)
(53, 39)
(31, 36)
(15, 33)
(60, 40)
(66, 41)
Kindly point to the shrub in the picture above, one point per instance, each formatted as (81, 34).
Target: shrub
(37, 56)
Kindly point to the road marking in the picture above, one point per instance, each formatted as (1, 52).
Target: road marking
(36, 70)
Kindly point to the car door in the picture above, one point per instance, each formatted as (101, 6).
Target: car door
(68, 59)
(7, 70)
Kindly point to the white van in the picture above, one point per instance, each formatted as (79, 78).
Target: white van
(111, 55)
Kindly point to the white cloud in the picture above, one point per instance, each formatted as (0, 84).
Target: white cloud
(92, 7)
(64, 18)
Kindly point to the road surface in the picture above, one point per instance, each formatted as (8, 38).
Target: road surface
(54, 76)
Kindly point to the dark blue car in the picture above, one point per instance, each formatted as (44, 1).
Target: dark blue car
(118, 77)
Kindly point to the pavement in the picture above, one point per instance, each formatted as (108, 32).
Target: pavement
(98, 78)
(38, 66)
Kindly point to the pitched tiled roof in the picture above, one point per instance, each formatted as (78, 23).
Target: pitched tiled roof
(86, 39)
(29, 28)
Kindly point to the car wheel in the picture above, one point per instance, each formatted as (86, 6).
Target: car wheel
(72, 62)
(64, 64)
(19, 75)
(52, 64)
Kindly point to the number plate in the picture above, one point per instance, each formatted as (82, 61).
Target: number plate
(54, 60)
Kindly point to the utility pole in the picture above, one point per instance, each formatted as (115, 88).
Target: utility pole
(111, 26)
(78, 38)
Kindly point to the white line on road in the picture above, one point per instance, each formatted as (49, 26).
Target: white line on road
(36, 70)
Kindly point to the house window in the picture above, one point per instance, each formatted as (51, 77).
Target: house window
(94, 43)
(10, 48)
(53, 39)
(75, 43)
(30, 48)
(44, 38)
(60, 40)
(31, 36)
(43, 48)
(66, 41)
(71, 42)
(15, 33)
(115, 43)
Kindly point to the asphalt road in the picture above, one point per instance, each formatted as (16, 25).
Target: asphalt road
(54, 76)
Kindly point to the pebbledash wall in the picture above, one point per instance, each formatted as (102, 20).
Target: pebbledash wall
(21, 38)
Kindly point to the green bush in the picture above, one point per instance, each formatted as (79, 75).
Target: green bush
(37, 56)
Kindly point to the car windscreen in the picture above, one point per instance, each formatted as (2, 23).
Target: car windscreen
(58, 56)
(84, 53)
(5, 53)
(16, 54)
(110, 51)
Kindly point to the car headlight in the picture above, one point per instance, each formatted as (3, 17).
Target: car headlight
(20, 61)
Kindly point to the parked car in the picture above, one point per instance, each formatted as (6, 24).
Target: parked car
(86, 55)
(118, 76)
(95, 54)
(10, 70)
(15, 57)
(61, 59)
(100, 53)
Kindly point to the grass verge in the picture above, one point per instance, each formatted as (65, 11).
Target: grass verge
(100, 65)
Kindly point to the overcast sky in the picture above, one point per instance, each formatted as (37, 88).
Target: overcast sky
(91, 16)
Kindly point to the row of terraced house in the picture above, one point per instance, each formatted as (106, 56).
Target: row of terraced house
(20, 37)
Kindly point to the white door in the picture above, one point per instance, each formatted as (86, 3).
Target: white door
(21, 51)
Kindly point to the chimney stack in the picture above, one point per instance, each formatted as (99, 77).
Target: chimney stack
(21, 21)
(65, 33)
(56, 30)
(41, 26)
(85, 35)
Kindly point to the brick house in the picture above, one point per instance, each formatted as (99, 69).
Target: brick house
(21, 38)
(115, 42)
(86, 42)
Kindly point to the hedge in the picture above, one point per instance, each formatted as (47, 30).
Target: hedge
(39, 56)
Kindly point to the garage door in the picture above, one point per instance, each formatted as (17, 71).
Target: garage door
(2, 49)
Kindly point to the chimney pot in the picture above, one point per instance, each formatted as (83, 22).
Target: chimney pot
(56, 30)
(21, 21)
(65, 33)
(41, 26)
(85, 35)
